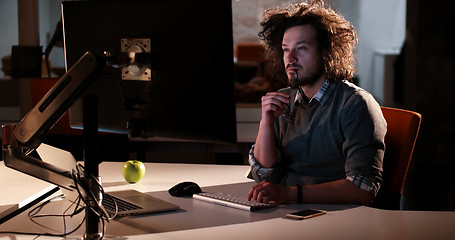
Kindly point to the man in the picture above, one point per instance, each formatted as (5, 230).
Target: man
(322, 139)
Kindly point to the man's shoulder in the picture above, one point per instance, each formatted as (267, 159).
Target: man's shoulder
(351, 91)
(347, 96)
(350, 87)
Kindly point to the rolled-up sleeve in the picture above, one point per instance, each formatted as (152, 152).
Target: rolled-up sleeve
(260, 173)
(365, 183)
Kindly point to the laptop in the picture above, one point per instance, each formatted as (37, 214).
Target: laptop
(129, 202)
(14, 210)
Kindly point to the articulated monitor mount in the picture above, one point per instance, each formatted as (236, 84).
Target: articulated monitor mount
(22, 138)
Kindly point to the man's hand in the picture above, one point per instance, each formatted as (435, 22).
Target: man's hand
(273, 105)
(267, 192)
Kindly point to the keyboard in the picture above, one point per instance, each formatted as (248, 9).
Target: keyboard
(109, 204)
(232, 201)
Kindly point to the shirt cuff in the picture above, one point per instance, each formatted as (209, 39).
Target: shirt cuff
(256, 168)
(364, 183)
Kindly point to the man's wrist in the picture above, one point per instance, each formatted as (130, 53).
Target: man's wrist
(292, 194)
(266, 123)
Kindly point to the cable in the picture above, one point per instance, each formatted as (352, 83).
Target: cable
(34, 213)
(87, 194)
(78, 208)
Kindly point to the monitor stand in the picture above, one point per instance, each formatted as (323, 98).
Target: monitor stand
(93, 224)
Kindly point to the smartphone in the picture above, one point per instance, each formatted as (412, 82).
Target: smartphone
(305, 214)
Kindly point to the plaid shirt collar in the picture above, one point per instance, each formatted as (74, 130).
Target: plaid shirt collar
(321, 96)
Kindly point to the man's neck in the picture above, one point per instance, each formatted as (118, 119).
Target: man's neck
(311, 89)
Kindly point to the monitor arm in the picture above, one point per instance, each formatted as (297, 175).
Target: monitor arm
(22, 138)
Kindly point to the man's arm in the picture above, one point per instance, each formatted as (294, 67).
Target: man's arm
(339, 191)
(265, 151)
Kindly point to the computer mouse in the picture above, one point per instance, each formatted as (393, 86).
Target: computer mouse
(184, 189)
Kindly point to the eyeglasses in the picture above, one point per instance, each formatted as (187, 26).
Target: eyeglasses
(287, 111)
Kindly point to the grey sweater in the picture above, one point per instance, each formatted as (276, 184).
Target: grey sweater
(339, 135)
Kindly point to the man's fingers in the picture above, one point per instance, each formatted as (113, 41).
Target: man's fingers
(259, 192)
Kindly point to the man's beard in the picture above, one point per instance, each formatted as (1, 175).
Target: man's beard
(307, 78)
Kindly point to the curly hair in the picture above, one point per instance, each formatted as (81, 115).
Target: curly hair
(336, 37)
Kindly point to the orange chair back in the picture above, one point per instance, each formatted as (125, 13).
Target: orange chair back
(402, 130)
(249, 52)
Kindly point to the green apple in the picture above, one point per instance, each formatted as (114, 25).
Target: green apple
(133, 171)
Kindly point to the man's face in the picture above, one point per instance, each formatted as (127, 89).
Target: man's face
(301, 56)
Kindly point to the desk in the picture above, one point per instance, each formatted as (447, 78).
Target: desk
(200, 220)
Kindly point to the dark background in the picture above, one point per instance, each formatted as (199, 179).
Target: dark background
(428, 88)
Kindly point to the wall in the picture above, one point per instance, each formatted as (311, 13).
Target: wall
(380, 25)
(49, 15)
(8, 27)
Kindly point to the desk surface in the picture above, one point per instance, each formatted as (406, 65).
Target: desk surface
(200, 220)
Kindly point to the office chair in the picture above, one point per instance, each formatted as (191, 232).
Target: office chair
(402, 130)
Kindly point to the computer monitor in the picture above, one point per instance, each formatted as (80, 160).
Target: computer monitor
(187, 92)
